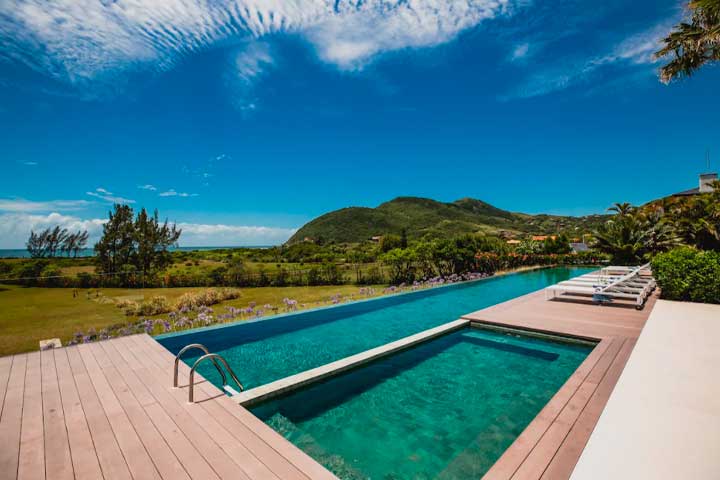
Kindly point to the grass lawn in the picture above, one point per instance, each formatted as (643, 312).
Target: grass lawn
(30, 314)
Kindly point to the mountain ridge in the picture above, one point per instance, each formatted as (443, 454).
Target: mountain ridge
(424, 217)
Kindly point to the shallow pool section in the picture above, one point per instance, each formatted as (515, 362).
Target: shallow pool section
(267, 350)
(446, 409)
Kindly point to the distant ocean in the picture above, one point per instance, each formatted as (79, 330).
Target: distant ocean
(89, 252)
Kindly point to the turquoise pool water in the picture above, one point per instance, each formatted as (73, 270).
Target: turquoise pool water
(267, 350)
(446, 409)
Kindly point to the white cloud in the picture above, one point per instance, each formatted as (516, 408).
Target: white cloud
(107, 197)
(30, 164)
(152, 188)
(15, 229)
(173, 193)
(194, 234)
(87, 41)
(22, 205)
(361, 30)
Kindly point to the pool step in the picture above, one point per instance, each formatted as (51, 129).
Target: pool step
(307, 443)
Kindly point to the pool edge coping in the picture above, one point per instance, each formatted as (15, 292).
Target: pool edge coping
(262, 393)
(270, 390)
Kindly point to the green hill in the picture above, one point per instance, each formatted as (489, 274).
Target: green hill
(423, 217)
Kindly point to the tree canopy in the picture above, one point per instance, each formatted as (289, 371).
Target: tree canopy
(54, 241)
(138, 244)
(693, 43)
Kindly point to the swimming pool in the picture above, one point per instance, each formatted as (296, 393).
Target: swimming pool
(273, 348)
(444, 409)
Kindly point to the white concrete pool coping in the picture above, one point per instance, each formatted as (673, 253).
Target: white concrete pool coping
(278, 387)
(662, 420)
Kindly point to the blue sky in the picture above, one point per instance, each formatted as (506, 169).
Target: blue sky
(242, 120)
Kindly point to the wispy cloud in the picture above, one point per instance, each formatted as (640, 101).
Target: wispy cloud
(85, 42)
(520, 51)
(152, 188)
(248, 64)
(29, 164)
(22, 205)
(109, 197)
(173, 193)
(636, 50)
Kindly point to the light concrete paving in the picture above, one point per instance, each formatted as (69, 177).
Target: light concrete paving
(662, 420)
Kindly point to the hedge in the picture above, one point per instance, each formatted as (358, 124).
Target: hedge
(687, 274)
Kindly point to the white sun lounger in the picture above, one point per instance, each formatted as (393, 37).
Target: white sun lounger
(630, 286)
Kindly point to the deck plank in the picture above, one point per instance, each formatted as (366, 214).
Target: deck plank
(11, 420)
(189, 417)
(31, 463)
(272, 443)
(82, 449)
(161, 455)
(136, 456)
(275, 463)
(110, 456)
(194, 463)
(220, 426)
(58, 462)
(5, 367)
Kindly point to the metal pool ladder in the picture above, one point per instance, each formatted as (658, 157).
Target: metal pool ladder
(214, 357)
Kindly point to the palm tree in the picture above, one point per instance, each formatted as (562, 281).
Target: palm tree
(692, 44)
(623, 238)
(634, 235)
(621, 208)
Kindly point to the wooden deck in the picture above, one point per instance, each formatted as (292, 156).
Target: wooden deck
(550, 446)
(108, 409)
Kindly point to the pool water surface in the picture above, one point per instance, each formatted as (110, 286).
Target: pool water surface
(445, 409)
(267, 350)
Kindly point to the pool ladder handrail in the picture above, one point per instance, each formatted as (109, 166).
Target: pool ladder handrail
(212, 356)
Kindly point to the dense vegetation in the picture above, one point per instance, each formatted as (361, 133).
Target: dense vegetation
(688, 274)
(422, 218)
(636, 234)
(681, 235)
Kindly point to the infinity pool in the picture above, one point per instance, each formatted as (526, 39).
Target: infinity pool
(446, 409)
(273, 348)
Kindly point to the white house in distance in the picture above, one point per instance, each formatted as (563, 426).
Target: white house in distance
(705, 185)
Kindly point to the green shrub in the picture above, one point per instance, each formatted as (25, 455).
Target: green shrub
(689, 275)
(193, 300)
(127, 306)
(154, 306)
